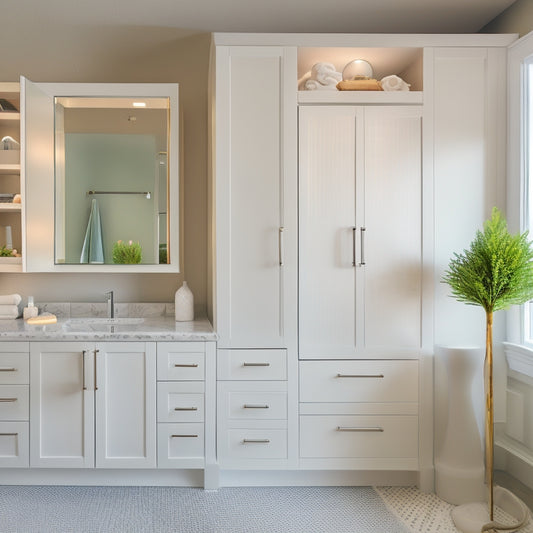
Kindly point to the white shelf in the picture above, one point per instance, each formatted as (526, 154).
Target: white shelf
(10, 264)
(361, 97)
(9, 115)
(9, 208)
(10, 169)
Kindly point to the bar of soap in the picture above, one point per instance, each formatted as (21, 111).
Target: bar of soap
(42, 320)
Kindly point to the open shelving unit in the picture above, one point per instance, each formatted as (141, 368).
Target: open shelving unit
(10, 176)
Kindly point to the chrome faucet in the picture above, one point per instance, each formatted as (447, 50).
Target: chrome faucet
(110, 304)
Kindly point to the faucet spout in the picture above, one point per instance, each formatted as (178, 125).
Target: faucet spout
(110, 304)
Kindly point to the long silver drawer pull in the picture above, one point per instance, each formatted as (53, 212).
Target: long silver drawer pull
(372, 429)
(95, 381)
(280, 245)
(256, 441)
(8, 434)
(83, 369)
(251, 406)
(354, 231)
(256, 364)
(10, 369)
(360, 376)
(186, 365)
(362, 263)
(185, 408)
(177, 436)
(8, 400)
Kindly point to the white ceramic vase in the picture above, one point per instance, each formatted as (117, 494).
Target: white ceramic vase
(459, 466)
(184, 304)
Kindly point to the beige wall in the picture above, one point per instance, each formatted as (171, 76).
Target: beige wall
(127, 54)
(518, 18)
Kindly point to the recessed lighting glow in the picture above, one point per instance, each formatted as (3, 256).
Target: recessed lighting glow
(139, 104)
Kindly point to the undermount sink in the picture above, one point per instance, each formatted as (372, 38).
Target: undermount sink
(101, 321)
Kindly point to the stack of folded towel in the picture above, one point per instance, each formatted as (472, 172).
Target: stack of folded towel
(10, 306)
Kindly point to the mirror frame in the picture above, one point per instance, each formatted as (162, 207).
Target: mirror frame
(38, 159)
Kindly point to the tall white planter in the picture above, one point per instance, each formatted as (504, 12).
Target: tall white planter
(459, 466)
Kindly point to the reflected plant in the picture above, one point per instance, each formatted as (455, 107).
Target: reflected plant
(129, 253)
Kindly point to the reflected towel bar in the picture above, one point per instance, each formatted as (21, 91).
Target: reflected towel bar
(148, 194)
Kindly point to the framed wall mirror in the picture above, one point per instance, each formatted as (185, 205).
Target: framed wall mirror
(105, 196)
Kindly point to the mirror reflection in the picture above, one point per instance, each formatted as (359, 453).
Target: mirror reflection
(111, 180)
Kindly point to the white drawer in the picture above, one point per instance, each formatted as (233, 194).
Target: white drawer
(253, 444)
(180, 401)
(180, 445)
(14, 368)
(359, 381)
(359, 436)
(252, 364)
(14, 444)
(14, 402)
(252, 401)
(180, 361)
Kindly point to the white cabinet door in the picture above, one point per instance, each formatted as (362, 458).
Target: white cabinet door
(360, 230)
(125, 384)
(255, 196)
(393, 229)
(330, 162)
(61, 409)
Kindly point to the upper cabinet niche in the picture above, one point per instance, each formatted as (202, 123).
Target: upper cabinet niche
(102, 177)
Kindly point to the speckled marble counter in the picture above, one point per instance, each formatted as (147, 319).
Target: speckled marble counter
(157, 325)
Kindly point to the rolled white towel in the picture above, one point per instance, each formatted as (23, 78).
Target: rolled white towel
(10, 299)
(314, 85)
(394, 83)
(9, 311)
(325, 73)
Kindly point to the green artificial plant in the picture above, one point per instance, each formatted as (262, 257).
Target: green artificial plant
(494, 273)
(127, 253)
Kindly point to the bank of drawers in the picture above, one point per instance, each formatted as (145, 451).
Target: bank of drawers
(180, 404)
(251, 407)
(14, 405)
(359, 414)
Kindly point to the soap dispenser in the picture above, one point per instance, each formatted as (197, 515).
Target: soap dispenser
(30, 311)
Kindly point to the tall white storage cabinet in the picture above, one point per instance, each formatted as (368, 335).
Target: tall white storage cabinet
(256, 239)
(360, 230)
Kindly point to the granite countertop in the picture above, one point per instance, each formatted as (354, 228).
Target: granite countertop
(160, 327)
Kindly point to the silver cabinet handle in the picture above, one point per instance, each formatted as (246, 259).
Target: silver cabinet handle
(255, 364)
(95, 380)
(8, 434)
(251, 406)
(186, 365)
(280, 245)
(83, 369)
(185, 408)
(10, 369)
(8, 400)
(183, 435)
(256, 441)
(354, 231)
(362, 429)
(360, 376)
(363, 230)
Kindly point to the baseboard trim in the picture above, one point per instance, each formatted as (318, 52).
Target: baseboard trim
(287, 478)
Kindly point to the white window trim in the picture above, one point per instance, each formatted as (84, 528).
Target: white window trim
(516, 166)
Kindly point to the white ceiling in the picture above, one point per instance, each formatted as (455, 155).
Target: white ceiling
(345, 16)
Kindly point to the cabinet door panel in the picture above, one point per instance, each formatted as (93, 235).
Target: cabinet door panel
(327, 192)
(393, 236)
(61, 411)
(251, 192)
(125, 405)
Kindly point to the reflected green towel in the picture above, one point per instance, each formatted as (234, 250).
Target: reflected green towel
(93, 247)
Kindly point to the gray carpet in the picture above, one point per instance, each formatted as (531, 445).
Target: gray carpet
(189, 510)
